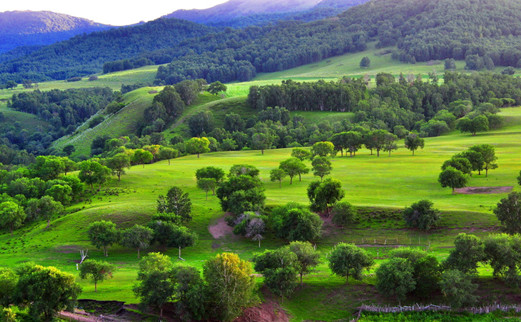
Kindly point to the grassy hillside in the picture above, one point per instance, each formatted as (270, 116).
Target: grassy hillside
(29, 122)
(390, 182)
(122, 123)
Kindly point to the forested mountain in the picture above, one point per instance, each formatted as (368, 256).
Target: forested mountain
(38, 28)
(86, 54)
(484, 32)
(240, 8)
(240, 13)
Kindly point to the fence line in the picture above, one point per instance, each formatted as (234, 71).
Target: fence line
(435, 308)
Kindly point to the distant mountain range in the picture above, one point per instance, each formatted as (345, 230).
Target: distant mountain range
(241, 13)
(40, 28)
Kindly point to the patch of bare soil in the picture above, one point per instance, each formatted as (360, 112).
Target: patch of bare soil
(269, 311)
(484, 190)
(220, 228)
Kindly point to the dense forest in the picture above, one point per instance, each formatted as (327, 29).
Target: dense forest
(86, 54)
(482, 32)
(64, 110)
(425, 30)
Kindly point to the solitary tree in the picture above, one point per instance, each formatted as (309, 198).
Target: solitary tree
(390, 143)
(365, 62)
(508, 212)
(198, 146)
(321, 166)
(307, 257)
(207, 184)
(118, 163)
(216, 87)
(12, 216)
(293, 167)
(278, 175)
(279, 268)
(421, 215)
(138, 237)
(176, 202)
(349, 260)
(92, 172)
(103, 234)
(97, 270)
(413, 142)
(230, 285)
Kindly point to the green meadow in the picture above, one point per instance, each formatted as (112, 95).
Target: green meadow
(380, 186)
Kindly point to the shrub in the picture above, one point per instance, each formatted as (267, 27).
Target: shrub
(343, 214)
(421, 215)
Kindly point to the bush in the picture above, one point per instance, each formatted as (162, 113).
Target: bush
(421, 215)
(457, 288)
(93, 78)
(74, 79)
(96, 121)
(343, 214)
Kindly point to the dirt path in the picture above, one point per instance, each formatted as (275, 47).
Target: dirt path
(483, 190)
(220, 228)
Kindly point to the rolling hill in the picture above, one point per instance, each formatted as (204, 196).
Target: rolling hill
(39, 28)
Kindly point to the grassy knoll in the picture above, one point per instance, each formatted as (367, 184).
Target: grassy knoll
(387, 183)
(29, 122)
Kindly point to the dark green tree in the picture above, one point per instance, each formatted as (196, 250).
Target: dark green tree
(293, 167)
(452, 178)
(421, 215)
(349, 260)
(395, 278)
(321, 166)
(138, 237)
(278, 175)
(413, 142)
(176, 202)
(468, 252)
(323, 195)
(97, 270)
(307, 257)
(458, 289)
(343, 214)
(102, 234)
(508, 212)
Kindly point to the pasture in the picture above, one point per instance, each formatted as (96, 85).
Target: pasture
(379, 186)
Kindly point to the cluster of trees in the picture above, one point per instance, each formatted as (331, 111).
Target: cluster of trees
(166, 227)
(63, 110)
(456, 170)
(427, 107)
(224, 289)
(45, 291)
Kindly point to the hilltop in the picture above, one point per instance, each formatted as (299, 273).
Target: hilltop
(39, 28)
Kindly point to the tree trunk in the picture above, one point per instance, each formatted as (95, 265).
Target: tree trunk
(95, 286)
(198, 155)
(412, 152)
(143, 165)
(48, 222)
(486, 172)
(262, 151)
(259, 243)
(300, 177)
(161, 311)
(378, 152)
(138, 253)
(105, 252)
(290, 180)
(280, 183)
(301, 278)
(119, 176)
(180, 253)
(453, 191)
(168, 161)
(389, 152)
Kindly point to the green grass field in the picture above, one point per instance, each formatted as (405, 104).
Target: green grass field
(384, 182)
